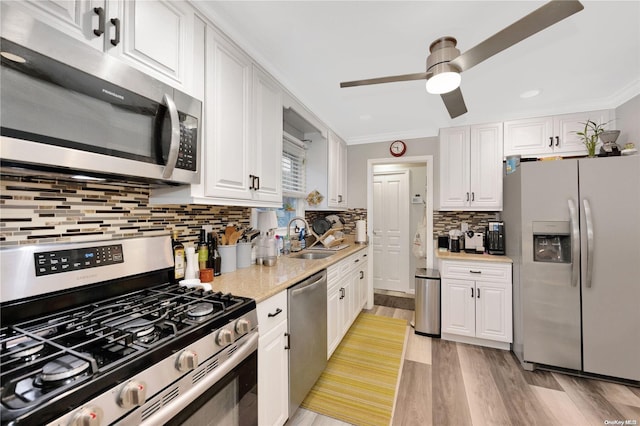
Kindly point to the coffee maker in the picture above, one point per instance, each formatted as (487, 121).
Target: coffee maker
(495, 238)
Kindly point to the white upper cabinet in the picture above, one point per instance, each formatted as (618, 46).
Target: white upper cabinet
(242, 145)
(471, 167)
(267, 138)
(549, 136)
(157, 37)
(327, 171)
(337, 172)
(227, 117)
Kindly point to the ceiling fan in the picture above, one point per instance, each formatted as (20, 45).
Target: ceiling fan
(445, 63)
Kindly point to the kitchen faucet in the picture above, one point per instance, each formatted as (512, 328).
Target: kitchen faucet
(306, 225)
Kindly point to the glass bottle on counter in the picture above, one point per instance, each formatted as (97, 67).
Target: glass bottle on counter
(203, 250)
(215, 261)
(178, 258)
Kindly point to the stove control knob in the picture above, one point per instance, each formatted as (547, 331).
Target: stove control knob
(88, 416)
(187, 360)
(224, 338)
(133, 394)
(243, 326)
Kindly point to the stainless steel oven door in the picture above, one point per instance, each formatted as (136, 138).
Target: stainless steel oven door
(228, 397)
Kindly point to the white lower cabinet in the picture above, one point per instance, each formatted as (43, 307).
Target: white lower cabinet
(347, 288)
(273, 361)
(477, 303)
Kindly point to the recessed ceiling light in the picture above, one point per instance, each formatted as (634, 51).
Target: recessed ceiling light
(530, 93)
(365, 117)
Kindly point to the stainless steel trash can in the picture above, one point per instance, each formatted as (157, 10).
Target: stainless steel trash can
(427, 302)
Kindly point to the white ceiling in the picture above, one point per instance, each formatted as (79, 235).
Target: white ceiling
(590, 60)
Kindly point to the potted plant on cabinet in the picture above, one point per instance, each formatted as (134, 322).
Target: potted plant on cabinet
(590, 136)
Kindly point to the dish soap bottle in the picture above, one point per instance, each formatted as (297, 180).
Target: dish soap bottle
(178, 258)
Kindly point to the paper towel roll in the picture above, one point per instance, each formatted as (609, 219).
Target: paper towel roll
(361, 231)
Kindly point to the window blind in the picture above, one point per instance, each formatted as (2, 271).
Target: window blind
(293, 167)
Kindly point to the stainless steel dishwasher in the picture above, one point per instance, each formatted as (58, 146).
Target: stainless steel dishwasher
(307, 302)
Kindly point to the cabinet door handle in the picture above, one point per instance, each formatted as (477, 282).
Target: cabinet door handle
(474, 272)
(473, 196)
(116, 23)
(478, 292)
(356, 261)
(339, 198)
(100, 12)
(361, 275)
(288, 345)
(257, 187)
(557, 140)
(467, 196)
(342, 293)
(277, 312)
(472, 296)
(252, 180)
(550, 141)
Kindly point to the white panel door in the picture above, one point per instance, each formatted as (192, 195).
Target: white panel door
(273, 384)
(566, 126)
(391, 231)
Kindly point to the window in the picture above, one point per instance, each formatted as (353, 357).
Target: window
(293, 168)
(294, 187)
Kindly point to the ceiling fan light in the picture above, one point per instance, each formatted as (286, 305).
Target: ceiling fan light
(443, 82)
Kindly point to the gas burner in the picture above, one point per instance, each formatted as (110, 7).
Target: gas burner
(200, 310)
(61, 371)
(27, 350)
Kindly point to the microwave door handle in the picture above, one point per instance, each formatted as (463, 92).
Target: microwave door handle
(589, 220)
(174, 146)
(575, 243)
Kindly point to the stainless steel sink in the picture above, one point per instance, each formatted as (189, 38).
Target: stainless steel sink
(312, 255)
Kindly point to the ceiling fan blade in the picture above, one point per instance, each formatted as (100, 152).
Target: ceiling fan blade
(454, 103)
(390, 79)
(541, 18)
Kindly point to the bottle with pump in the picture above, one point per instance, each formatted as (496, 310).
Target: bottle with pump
(178, 258)
(203, 250)
(215, 261)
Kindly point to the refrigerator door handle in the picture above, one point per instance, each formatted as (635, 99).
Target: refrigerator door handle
(575, 244)
(589, 220)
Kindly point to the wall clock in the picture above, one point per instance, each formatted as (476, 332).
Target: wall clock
(397, 148)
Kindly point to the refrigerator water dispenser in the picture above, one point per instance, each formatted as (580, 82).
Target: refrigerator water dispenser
(551, 242)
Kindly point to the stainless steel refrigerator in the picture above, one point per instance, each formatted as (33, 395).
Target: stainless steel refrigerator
(573, 232)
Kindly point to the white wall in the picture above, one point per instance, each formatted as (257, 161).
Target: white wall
(628, 122)
(358, 156)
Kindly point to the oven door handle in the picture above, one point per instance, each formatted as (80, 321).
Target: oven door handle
(169, 411)
(174, 145)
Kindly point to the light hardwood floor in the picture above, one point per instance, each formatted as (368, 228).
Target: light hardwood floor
(447, 383)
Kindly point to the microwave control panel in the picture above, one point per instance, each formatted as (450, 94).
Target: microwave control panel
(56, 262)
(187, 150)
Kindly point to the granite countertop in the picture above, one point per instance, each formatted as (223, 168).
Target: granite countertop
(447, 255)
(261, 282)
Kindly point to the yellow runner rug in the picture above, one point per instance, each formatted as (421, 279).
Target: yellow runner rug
(359, 384)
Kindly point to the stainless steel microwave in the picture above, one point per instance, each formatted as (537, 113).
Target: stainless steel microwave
(86, 112)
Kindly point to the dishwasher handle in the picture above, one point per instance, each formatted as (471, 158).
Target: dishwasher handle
(307, 285)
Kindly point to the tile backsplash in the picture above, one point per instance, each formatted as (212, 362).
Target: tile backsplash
(43, 210)
(443, 222)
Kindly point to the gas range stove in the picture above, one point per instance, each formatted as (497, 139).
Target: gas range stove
(102, 345)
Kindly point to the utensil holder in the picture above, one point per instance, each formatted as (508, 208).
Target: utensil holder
(228, 255)
(243, 255)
